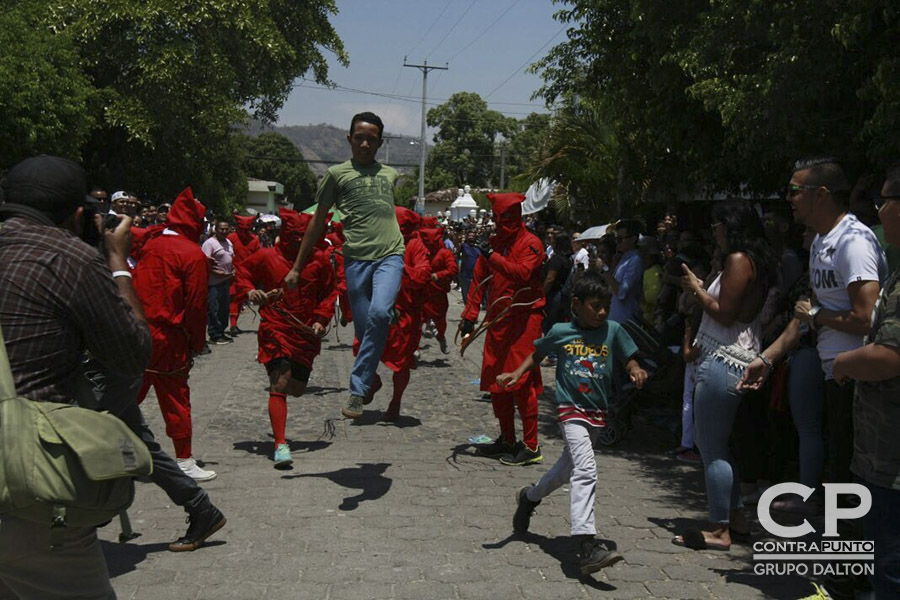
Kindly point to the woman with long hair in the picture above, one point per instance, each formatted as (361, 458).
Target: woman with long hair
(729, 339)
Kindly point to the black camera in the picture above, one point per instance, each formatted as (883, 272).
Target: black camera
(111, 221)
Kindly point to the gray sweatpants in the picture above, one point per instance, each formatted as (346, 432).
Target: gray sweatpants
(576, 467)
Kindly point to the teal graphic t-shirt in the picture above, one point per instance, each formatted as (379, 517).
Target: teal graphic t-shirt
(584, 366)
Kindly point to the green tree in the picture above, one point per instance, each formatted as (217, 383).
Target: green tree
(525, 149)
(581, 153)
(45, 100)
(298, 179)
(705, 97)
(179, 76)
(464, 143)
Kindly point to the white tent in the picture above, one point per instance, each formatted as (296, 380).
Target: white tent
(593, 233)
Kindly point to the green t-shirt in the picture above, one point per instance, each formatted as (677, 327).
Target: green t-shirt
(365, 195)
(584, 367)
(876, 405)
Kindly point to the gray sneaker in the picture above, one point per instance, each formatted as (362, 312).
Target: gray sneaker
(354, 407)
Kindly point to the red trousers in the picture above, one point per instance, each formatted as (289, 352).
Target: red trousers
(436, 309)
(525, 398)
(174, 397)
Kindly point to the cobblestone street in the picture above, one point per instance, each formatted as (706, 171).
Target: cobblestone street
(407, 510)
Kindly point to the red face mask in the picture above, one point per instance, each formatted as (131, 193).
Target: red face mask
(509, 223)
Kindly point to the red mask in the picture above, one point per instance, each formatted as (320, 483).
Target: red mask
(293, 226)
(186, 216)
(507, 217)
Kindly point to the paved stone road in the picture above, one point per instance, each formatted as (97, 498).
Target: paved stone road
(408, 510)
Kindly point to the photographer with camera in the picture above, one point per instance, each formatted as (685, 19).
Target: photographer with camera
(57, 301)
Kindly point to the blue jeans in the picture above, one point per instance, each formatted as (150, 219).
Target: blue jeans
(217, 301)
(465, 283)
(882, 526)
(806, 394)
(372, 286)
(716, 401)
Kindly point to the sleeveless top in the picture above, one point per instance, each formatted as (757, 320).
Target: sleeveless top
(737, 344)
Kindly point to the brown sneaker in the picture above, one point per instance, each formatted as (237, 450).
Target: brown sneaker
(201, 524)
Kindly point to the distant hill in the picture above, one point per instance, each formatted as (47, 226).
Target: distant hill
(329, 143)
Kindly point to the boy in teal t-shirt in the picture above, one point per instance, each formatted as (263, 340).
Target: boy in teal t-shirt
(586, 350)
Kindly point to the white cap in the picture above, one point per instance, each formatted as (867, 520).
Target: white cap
(118, 196)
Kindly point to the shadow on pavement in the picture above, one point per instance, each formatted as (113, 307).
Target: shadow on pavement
(373, 417)
(438, 363)
(563, 550)
(267, 448)
(368, 477)
(313, 390)
(124, 558)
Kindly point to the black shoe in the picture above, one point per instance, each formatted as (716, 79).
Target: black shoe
(522, 456)
(443, 342)
(594, 555)
(221, 341)
(496, 449)
(524, 510)
(201, 524)
(235, 331)
(206, 350)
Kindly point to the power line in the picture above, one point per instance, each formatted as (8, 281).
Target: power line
(406, 98)
(530, 58)
(446, 35)
(433, 23)
(485, 30)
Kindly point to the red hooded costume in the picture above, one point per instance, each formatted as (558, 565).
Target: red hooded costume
(514, 269)
(336, 256)
(310, 302)
(443, 264)
(171, 281)
(245, 243)
(404, 335)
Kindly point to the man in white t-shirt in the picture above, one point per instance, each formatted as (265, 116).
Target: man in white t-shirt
(846, 269)
(582, 257)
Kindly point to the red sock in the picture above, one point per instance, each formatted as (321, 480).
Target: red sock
(234, 319)
(278, 415)
(182, 447)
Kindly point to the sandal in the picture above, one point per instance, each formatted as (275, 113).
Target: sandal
(693, 539)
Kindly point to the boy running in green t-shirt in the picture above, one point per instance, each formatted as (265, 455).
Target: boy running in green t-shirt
(586, 351)
(363, 190)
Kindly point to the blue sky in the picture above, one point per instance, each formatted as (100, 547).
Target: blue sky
(488, 44)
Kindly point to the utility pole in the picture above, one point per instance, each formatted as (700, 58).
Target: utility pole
(425, 67)
(503, 166)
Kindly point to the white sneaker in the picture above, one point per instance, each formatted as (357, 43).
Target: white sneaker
(192, 470)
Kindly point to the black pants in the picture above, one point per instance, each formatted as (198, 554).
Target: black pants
(117, 394)
(838, 431)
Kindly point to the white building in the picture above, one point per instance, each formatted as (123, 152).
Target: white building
(261, 195)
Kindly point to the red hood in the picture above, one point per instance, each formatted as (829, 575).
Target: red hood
(408, 220)
(186, 216)
(293, 226)
(429, 221)
(243, 226)
(431, 237)
(507, 217)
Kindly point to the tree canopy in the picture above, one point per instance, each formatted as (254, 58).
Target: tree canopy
(464, 142)
(712, 96)
(175, 79)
